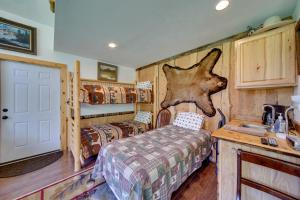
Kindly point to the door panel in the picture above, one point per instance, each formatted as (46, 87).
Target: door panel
(21, 134)
(31, 94)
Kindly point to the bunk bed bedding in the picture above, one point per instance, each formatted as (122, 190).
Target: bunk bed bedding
(94, 137)
(99, 94)
(154, 164)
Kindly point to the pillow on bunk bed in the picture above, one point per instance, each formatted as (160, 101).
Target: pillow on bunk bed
(144, 85)
(144, 117)
(189, 120)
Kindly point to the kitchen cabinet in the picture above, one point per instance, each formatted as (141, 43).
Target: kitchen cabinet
(266, 60)
(230, 143)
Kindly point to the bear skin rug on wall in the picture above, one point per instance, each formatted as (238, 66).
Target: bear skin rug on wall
(194, 84)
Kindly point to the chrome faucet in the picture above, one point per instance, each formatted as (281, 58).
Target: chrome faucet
(287, 119)
(273, 113)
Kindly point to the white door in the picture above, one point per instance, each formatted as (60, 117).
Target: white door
(30, 100)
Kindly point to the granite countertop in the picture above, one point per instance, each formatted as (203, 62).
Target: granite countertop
(283, 146)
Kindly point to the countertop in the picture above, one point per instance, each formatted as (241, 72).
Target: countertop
(283, 146)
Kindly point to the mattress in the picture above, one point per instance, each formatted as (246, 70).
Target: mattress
(154, 164)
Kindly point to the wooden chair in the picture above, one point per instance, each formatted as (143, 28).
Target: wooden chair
(163, 118)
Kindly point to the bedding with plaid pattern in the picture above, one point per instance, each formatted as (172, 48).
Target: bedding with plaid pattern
(154, 164)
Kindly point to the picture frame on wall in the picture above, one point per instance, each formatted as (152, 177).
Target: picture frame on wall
(107, 72)
(18, 37)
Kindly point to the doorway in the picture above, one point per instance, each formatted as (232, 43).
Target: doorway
(32, 108)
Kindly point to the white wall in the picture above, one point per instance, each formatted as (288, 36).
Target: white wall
(45, 51)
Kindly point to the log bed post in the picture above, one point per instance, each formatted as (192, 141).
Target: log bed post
(76, 131)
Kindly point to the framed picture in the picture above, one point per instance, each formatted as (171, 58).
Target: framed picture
(107, 72)
(17, 37)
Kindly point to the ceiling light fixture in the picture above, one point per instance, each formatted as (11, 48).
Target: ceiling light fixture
(112, 45)
(222, 4)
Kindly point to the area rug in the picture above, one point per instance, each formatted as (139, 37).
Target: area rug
(28, 165)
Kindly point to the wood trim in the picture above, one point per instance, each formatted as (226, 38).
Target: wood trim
(63, 88)
(267, 189)
(92, 81)
(268, 162)
(239, 175)
(76, 129)
(106, 115)
(272, 163)
(31, 61)
(107, 82)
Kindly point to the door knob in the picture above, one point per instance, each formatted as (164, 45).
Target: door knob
(5, 110)
(4, 117)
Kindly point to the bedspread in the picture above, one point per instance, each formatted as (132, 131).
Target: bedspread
(154, 164)
(94, 137)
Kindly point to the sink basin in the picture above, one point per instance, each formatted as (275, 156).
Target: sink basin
(255, 126)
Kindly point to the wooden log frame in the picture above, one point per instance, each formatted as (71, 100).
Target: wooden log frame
(271, 163)
(75, 123)
(63, 88)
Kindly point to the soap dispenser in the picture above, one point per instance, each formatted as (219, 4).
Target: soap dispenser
(279, 127)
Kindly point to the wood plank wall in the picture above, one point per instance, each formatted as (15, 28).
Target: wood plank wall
(241, 104)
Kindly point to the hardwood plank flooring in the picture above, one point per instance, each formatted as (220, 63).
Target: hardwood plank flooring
(201, 185)
(13, 187)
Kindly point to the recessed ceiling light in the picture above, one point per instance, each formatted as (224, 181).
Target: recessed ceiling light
(112, 45)
(222, 4)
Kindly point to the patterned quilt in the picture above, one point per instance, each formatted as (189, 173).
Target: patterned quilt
(154, 164)
(93, 138)
(97, 95)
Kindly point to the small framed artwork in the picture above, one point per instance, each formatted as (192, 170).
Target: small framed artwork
(17, 37)
(107, 72)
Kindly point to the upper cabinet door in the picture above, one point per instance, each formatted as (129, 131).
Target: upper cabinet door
(267, 60)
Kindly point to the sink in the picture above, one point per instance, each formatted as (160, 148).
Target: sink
(255, 126)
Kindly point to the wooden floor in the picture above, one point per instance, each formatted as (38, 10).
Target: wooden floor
(14, 187)
(202, 185)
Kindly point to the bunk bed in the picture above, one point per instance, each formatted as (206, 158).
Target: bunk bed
(83, 130)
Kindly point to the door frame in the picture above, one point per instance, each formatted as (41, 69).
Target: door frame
(63, 88)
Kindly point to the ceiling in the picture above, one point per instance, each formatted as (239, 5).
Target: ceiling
(146, 31)
(36, 10)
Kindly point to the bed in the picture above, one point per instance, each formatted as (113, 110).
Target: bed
(154, 164)
(86, 136)
(94, 137)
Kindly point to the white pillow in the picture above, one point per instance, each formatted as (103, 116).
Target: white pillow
(144, 85)
(189, 120)
(144, 117)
